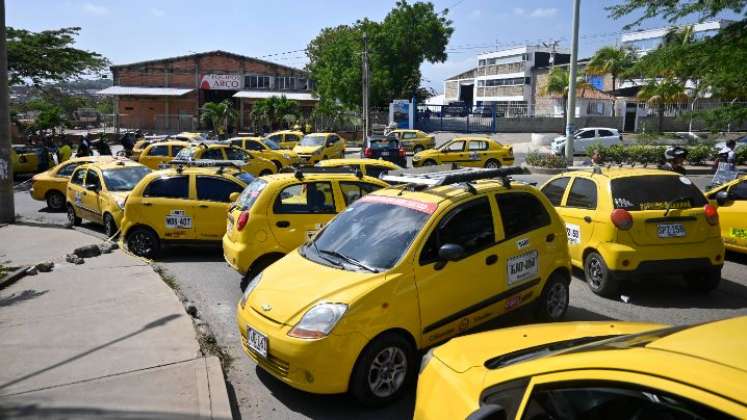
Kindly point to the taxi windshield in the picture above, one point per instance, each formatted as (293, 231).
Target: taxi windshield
(124, 179)
(313, 140)
(655, 192)
(372, 235)
(250, 194)
(272, 145)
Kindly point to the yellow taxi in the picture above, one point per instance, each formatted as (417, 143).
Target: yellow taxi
(181, 205)
(370, 167)
(589, 370)
(477, 151)
(277, 213)
(25, 159)
(287, 139)
(731, 199)
(143, 142)
(255, 165)
(315, 147)
(97, 192)
(625, 223)
(400, 270)
(192, 136)
(267, 149)
(51, 185)
(415, 140)
(158, 153)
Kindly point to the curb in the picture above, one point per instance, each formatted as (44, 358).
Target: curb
(13, 277)
(220, 404)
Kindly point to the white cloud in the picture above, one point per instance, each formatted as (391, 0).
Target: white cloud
(540, 12)
(518, 11)
(157, 12)
(95, 9)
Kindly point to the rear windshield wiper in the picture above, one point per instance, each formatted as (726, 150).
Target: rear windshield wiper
(676, 200)
(350, 260)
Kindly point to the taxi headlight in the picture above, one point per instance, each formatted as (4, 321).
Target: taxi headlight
(319, 321)
(249, 287)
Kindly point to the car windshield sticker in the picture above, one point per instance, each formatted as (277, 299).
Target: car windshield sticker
(522, 243)
(623, 203)
(522, 267)
(428, 208)
(574, 233)
(685, 180)
(739, 233)
(662, 205)
(178, 220)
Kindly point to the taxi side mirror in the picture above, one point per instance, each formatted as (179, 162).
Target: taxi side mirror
(450, 252)
(722, 197)
(233, 197)
(488, 412)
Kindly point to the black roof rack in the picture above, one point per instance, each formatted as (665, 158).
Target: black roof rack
(454, 176)
(206, 163)
(300, 172)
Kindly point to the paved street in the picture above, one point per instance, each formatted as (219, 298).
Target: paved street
(204, 278)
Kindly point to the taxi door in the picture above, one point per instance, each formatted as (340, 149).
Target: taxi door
(166, 207)
(213, 201)
(300, 210)
(90, 198)
(477, 153)
(578, 211)
(75, 190)
(733, 217)
(454, 153)
(456, 295)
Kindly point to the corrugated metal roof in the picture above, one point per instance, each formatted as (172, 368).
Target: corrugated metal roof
(143, 91)
(263, 94)
(203, 54)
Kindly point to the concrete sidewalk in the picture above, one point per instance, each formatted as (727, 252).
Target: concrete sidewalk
(105, 339)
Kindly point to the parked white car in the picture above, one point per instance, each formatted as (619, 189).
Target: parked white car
(586, 137)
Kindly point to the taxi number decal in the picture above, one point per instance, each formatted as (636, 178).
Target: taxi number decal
(474, 156)
(178, 220)
(78, 198)
(522, 267)
(574, 233)
(420, 206)
(739, 232)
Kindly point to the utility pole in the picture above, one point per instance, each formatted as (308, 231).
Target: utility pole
(570, 113)
(7, 207)
(365, 86)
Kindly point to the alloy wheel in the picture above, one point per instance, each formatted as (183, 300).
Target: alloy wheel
(387, 372)
(557, 298)
(594, 271)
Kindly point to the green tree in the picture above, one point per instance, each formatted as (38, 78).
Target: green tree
(662, 92)
(39, 57)
(557, 84)
(219, 115)
(410, 34)
(274, 111)
(616, 61)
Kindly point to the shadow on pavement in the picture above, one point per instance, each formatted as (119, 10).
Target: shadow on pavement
(199, 253)
(674, 293)
(20, 297)
(736, 257)
(35, 411)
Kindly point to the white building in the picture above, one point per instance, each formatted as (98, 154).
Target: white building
(646, 40)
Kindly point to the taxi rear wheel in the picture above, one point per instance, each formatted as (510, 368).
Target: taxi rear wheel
(429, 162)
(110, 226)
(278, 164)
(553, 302)
(143, 242)
(598, 276)
(55, 200)
(705, 282)
(384, 370)
(71, 217)
(492, 164)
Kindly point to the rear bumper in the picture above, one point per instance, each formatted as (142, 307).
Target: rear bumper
(664, 267)
(237, 255)
(663, 259)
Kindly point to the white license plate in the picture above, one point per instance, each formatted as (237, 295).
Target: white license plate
(522, 267)
(670, 230)
(384, 153)
(256, 341)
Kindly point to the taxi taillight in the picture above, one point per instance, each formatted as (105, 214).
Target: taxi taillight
(622, 219)
(243, 218)
(402, 152)
(711, 214)
(368, 152)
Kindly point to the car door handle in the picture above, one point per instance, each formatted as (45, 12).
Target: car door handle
(147, 204)
(203, 206)
(587, 219)
(550, 237)
(282, 224)
(491, 259)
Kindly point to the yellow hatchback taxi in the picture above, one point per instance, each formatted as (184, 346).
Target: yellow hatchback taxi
(370, 167)
(181, 205)
(400, 270)
(255, 165)
(98, 192)
(267, 149)
(277, 213)
(626, 223)
(51, 185)
(315, 147)
(415, 140)
(477, 151)
(159, 153)
(732, 211)
(589, 370)
(287, 139)
(25, 158)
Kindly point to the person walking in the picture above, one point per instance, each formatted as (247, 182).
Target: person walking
(103, 147)
(84, 148)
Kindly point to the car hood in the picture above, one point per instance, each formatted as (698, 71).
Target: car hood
(485, 346)
(294, 284)
(306, 149)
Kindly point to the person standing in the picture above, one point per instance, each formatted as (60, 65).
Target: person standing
(103, 147)
(84, 148)
(728, 154)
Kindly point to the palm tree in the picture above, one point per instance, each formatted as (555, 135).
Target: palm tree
(219, 115)
(659, 93)
(557, 84)
(679, 36)
(274, 111)
(617, 61)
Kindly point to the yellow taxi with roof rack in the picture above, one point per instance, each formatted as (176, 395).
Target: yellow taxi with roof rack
(277, 213)
(731, 199)
(98, 191)
(158, 153)
(589, 370)
(475, 151)
(185, 204)
(253, 164)
(414, 140)
(399, 270)
(51, 185)
(370, 167)
(267, 149)
(623, 223)
(287, 139)
(316, 147)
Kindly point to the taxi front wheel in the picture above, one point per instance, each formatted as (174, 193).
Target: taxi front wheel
(598, 276)
(384, 370)
(143, 242)
(71, 217)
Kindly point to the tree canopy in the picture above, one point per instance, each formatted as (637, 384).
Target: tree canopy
(409, 35)
(274, 111)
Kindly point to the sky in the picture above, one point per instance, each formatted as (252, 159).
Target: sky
(137, 30)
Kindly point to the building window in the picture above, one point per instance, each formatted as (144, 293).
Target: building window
(285, 83)
(480, 63)
(257, 82)
(504, 82)
(595, 108)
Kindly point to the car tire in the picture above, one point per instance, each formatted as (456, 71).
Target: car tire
(278, 165)
(110, 226)
(598, 277)
(553, 301)
(492, 164)
(417, 149)
(705, 282)
(143, 242)
(429, 162)
(56, 200)
(72, 218)
(384, 370)
(265, 172)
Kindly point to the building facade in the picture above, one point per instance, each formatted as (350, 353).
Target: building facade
(167, 94)
(646, 40)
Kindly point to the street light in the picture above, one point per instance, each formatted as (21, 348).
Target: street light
(570, 113)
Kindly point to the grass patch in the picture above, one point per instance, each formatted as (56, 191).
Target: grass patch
(209, 346)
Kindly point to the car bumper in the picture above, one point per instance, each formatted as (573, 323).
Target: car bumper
(237, 255)
(308, 159)
(320, 366)
(507, 160)
(680, 259)
(38, 193)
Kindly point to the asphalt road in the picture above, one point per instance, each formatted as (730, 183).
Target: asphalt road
(205, 279)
